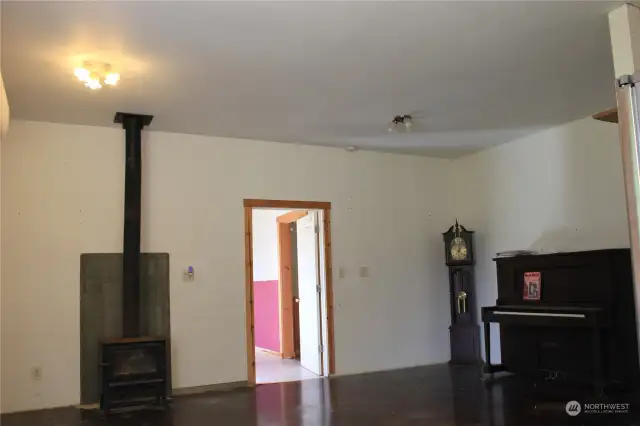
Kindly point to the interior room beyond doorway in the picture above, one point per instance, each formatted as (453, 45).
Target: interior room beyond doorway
(289, 295)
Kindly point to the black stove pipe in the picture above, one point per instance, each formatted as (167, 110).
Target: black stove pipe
(132, 125)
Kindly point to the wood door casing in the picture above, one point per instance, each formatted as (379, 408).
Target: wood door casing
(250, 334)
(285, 260)
(286, 292)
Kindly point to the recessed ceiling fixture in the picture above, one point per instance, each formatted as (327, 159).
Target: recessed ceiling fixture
(93, 75)
(401, 123)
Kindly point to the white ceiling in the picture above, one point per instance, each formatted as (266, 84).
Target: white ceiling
(475, 74)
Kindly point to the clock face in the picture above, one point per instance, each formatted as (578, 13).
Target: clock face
(458, 249)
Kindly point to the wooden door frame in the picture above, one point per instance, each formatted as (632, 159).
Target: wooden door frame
(285, 282)
(249, 205)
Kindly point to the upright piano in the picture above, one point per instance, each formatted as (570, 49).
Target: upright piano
(577, 323)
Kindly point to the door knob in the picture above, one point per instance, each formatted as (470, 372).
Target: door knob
(297, 300)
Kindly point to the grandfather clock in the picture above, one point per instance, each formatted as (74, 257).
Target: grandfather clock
(464, 332)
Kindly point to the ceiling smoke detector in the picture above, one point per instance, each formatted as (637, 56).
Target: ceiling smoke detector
(401, 123)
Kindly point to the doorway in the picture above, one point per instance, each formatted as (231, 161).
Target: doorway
(304, 291)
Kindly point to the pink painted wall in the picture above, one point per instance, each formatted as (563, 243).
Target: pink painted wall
(266, 316)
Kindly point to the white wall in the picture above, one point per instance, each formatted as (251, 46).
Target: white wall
(560, 189)
(265, 244)
(62, 189)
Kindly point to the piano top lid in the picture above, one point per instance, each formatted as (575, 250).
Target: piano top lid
(512, 253)
(543, 308)
(559, 253)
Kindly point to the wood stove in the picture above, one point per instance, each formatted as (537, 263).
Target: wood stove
(133, 369)
(133, 372)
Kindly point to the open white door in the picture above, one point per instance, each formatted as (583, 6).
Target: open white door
(309, 294)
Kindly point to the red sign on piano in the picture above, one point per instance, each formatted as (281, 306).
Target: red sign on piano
(532, 286)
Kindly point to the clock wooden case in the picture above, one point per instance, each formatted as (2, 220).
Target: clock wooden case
(464, 332)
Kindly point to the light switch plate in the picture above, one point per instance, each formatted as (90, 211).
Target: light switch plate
(364, 272)
(342, 272)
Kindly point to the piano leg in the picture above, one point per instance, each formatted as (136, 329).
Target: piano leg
(487, 348)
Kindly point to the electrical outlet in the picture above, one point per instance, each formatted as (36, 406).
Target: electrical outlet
(36, 373)
(342, 272)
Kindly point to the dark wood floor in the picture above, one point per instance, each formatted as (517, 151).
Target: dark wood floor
(437, 395)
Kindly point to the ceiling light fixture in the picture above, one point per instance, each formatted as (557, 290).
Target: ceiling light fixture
(401, 123)
(94, 75)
